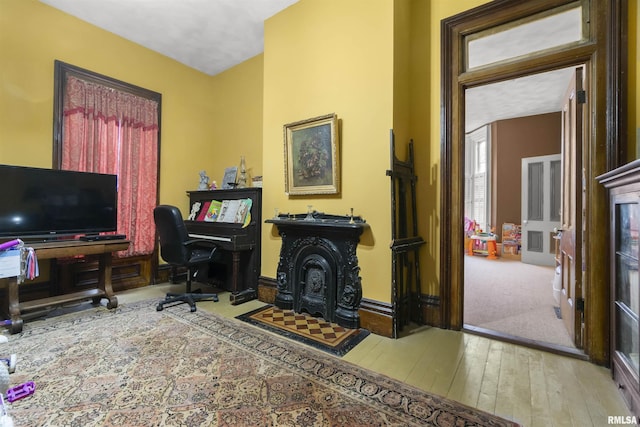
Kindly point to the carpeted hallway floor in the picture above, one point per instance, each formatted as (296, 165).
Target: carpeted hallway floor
(511, 297)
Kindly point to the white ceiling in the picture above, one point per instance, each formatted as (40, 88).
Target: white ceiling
(208, 35)
(525, 96)
(214, 35)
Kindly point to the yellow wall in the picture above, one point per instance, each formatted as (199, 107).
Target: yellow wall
(428, 206)
(235, 105)
(333, 56)
(33, 35)
(401, 76)
(425, 78)
(375, 63)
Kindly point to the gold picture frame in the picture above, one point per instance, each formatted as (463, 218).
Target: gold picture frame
(312, 160)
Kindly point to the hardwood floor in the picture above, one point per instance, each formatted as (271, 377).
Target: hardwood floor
(531, 387)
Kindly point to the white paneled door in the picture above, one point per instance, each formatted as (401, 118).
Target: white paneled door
(541, 204)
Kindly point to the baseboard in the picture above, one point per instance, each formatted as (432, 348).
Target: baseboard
(163, 273)
(267, 289)
(431, 314)
(377, 317)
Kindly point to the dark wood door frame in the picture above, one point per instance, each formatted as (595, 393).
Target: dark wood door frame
(602, 151)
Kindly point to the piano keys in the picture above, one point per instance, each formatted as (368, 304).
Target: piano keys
(214, 238)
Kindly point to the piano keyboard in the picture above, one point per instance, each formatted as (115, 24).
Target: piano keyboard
(208, 237)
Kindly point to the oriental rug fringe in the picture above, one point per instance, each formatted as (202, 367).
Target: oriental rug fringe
(134, 366)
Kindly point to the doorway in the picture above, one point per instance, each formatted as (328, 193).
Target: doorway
(513, 180)
(596, 153)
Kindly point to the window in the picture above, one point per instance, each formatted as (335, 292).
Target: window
(477, 177)
(107, 126)
(561, 26)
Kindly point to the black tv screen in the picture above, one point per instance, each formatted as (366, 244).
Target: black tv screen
(37, 202)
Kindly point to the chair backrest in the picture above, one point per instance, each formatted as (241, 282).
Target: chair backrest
(173, 233)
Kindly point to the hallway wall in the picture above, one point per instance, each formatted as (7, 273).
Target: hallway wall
(511, 141)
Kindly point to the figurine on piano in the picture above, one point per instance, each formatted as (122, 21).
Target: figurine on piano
(204, 181)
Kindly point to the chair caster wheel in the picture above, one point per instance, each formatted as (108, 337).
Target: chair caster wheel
(159, 307)
(193, 309)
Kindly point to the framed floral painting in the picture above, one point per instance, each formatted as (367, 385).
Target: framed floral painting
(312, 164)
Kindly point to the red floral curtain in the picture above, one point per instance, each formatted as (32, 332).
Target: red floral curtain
(110, 131)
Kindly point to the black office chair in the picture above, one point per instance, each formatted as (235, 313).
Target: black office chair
(178, 249)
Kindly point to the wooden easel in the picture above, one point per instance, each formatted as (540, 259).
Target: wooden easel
(405, 242)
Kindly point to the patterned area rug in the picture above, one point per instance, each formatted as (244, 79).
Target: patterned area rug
(302, 327)
(134, 366)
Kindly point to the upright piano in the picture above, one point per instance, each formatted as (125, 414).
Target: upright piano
(240, 244)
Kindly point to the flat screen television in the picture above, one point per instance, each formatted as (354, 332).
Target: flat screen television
(50, 203)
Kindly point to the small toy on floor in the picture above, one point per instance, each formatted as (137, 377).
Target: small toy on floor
(20, 391)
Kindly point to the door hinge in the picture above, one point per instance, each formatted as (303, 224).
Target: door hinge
(581, 96)
(580, 304)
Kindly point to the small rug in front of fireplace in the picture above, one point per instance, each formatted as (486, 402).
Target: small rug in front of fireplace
(304, 328)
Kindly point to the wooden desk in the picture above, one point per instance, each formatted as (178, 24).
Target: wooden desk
(60, 249)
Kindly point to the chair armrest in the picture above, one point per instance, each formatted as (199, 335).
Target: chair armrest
(202, 245)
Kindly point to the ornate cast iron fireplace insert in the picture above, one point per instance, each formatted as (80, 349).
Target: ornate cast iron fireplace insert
(318, 270)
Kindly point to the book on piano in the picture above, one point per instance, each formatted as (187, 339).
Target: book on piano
(234, 211)
(229, 210)
(213, 212)
(244, 212)
(203, 210)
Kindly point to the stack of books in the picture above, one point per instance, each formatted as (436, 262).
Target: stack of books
(236, 211)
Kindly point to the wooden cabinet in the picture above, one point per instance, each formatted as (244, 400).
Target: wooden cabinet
(624, 197)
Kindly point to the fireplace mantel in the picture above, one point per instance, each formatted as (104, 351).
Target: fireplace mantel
(318, 269)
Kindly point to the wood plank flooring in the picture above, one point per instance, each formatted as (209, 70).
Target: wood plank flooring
(532, 387)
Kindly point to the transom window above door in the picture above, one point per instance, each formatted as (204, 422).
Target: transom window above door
(542, 32)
